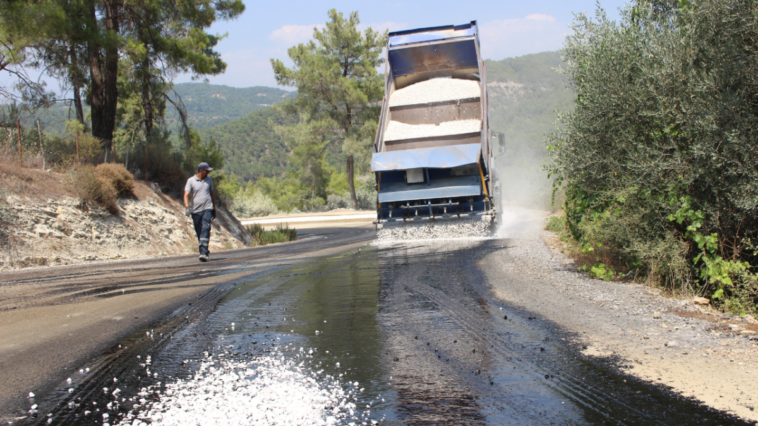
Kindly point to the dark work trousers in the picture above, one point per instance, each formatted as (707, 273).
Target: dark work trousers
(202, 221)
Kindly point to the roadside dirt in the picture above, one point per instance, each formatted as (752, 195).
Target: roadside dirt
(696, 351)
(44, 224)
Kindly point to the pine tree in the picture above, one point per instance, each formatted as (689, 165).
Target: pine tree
(338, 87)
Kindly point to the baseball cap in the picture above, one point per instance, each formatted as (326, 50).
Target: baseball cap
(204, 166)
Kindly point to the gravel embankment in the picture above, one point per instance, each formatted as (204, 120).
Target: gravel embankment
(436, 90)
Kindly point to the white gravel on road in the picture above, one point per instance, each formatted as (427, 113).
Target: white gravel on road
(436, 90)
(438, 229)
(398, 131)
(269, 390)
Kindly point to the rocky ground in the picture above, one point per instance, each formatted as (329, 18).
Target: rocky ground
(45, 224)
(672, 341)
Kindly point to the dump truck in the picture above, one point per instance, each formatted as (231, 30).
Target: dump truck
(432, 155)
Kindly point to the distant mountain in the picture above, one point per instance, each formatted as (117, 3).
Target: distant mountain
(207, 105)
(210, 105)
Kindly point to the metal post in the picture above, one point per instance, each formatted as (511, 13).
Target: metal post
(77, 146)
(144, 159)
(18, 128)
(41, 150)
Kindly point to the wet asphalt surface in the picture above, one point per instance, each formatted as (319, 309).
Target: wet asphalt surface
(413, 324)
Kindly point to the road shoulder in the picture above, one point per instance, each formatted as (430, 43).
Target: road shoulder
(657, 339)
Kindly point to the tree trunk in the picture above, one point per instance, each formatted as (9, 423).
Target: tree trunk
(147, 103)
(110, 88)
(349, 170)
(96, 78)
(76, 85)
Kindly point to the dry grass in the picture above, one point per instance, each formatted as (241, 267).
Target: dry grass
(91, 187)
(120, 178)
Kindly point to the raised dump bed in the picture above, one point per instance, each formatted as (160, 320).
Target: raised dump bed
(432, 151)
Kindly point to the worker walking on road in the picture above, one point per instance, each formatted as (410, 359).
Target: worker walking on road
(203, 207)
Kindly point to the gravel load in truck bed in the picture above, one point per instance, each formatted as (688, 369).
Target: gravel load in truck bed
(436, 90)
(399, 131)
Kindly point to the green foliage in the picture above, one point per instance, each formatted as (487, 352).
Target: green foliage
(281, 234)
(127, 48)
(199, 152)
(253, 204)
(207, 105)
(338, 92)
(90, 149)
(731, 280)
(250, 146)
(661, 129)
(600, 270)
(227, 186)
(337, 183)
(556, 224)
(365, 194)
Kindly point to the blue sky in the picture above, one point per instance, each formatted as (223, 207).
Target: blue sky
(267, 28)
(508, 28)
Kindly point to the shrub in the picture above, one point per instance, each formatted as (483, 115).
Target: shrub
(118, 176)
(90, 149)
(91, 187)
(338, 201)
(253, 205)
(281, 234)
(657, 158)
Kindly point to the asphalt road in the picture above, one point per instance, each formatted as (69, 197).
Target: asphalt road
(326, 330)
(53, 321)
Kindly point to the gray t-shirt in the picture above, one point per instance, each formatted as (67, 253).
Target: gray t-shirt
(200, 193)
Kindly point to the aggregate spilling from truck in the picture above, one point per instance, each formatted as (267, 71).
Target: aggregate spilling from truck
(432, 158)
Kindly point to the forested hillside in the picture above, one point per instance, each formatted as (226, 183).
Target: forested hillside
(210, 105)
(250, 146)
(207, 105)
(524, 94)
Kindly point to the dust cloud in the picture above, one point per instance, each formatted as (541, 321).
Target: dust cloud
(524, 196)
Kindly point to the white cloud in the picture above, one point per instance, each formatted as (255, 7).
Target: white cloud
(290, 35)
(535, 33)
(540, 17)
